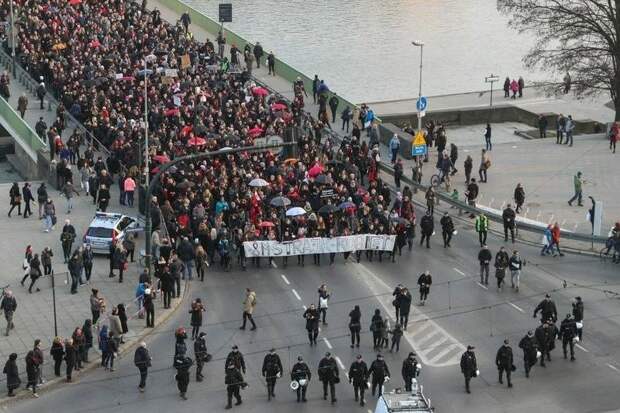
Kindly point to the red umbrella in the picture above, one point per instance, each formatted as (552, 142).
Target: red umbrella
(95, 43)
(161, 158)
(278, 106)
(315, 170)
(75, 2)
(196, 141)
(186, 130)
(260, 91)
(172, 112)
(255, 131)
(266, 224)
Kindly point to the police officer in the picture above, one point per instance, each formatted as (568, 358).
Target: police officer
(447, 228)
(180, 348)
(380, 372)
(233, 381)
(544, 340)
(200, 353)
(547, 309)
(568, 332)
(236, 359)
(272, 369)
(508, 218)
(578, 315)
(503, 360)
(301, 371)
(469, 367)
(358, 374)
(182, 364)
(410, 370)
(329, 375)
(530, 347)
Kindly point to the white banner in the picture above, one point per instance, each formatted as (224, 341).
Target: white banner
(306, 246)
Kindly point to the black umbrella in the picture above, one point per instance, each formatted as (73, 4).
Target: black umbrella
(323, 180)
(328, 209)
(185, 184)
(280, 201)
(334, 162)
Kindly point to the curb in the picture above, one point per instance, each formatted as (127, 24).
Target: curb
(56, 382)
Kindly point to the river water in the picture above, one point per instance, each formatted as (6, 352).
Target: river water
(362, 48)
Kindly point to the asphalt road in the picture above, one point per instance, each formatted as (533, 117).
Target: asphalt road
(459, 312)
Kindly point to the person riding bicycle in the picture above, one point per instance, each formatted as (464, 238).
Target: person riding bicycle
(444, 165)
(613, 241)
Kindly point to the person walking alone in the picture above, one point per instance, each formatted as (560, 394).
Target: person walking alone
(355, 326)
(578, 182)
(358, 374)
(249, 304)
(142, 360)
(8, 305)
(22, 104)
(504, 361)
(424, 281)
(469, 367)
(487, 137)
(482, 228)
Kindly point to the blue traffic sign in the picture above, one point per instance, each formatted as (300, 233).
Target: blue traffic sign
(421, 104)
(418, 150)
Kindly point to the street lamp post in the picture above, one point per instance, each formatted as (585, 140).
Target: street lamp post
(13, 37)
(420, 44)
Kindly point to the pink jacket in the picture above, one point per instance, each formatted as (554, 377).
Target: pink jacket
(130, 185)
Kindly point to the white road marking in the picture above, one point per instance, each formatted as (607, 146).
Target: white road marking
(611, 366)
(483, 286)
(285, 279)
(582, 348)
(514, 146)
(340, 363)
(516, 307)
(460, 272)
(327, 343)
(305, 308)
(428, 338)
(273, 264)
(296, 294)
(444, 352)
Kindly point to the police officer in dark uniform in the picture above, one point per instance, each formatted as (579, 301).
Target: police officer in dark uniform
(358, 374)
(301, 371)
(530, 347)
(236, 359)
(469, 367)
(504, 360)
(578, 315)
(329, 375)
(544, 340)
(272, 369)
(234, 382)
(568, 332)
(410, 370)
(182, 364)
(200, 353)
(547, 309)
(379, 370)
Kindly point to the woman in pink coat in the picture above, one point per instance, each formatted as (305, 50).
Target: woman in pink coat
(514, 86)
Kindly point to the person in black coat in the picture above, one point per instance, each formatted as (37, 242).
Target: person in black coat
(329, 375)
(57, 352)
(358, 374)
(578, 314)
(15, 199)
(427, 226)
(12, 374)
(425, 281)
(547, 309)
(376, 326)
(568, 332)
(379, 371)
(70, 357)
(504, 362)
(404, 303)
(469, 367)
(122, 315)
(447, 229)
(355, 325)
(312, 323)
(182, 364)
(508, 217)
(196, 317)
(301, 371)
(519, 197)
(28, 198)
(544, 340)
(87, 330)
(235, 358)
(234, 382)
(142, 360)
(530, 347)
(272, 370)
(200, 354)
(410, 370)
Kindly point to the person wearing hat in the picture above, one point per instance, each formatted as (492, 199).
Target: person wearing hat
(578, 315)
(301, 371)
(545, 340)
(424, 281)
(503, 361)
(447, 229)
(200, 354)
(469, 367)
(235, 358)
(529, 346)
(358, 376)
(568, 332)
(329, 375)
(312, 317)
(547, 309)
(12, 374)
(410, 370)
(142, 360)
(427, 227)
(272, 370)
(380, 373)
(182, 364)
(234, 381)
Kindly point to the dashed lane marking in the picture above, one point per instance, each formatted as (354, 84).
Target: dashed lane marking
(582, 348)
(516, 307)
(483, 286)
(285, 279)
(296, 294)
(340, 363)
(305, 308)
(327, 343)
(611, 366)
(444, 352)
(273, 264)
(460, 272)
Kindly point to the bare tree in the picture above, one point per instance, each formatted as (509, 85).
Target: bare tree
(579, 37)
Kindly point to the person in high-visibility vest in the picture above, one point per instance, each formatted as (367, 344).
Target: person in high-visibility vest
(482, 228)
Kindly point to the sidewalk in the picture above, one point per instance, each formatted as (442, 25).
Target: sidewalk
(34, 316)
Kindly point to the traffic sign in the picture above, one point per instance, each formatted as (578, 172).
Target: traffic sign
(418, 147)
(421, 104)
(225, 13)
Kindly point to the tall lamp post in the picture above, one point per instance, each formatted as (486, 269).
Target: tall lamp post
(420, 44)
(13, 37)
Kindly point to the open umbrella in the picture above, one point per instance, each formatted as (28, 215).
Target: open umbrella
(266, 224)
(75, 2)
(171, 112)
(295, 211)
(323, 180)
(185, 184)
(334, 162)
(260, 91)
(196, 141)
(278, 106)
(280, 201)
(346, 205)
(315, 170)
(258, 182)
(255, 131)
(59, 46)
(290, 161)
(328, 209)
(161, 158)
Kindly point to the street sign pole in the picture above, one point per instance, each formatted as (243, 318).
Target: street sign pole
(420, 44)
(491, 79)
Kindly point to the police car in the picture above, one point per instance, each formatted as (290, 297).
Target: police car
(107, 227)
(405, 402)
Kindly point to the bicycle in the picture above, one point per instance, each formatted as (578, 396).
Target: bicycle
(607, 252)
(437, 179)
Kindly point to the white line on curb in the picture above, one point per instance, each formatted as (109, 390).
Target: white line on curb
(327, 343)
(459, 271)
(483, 286)
(285, 279)
(296, 294)
(516, 307)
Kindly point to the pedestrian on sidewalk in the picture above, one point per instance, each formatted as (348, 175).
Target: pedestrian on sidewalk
(542, 126)
(35, 272)
(271, 63)
(22, 104)
(15, 199)
(87, 331)
(333, 106)
(149, 306)
(142, 360)
(67, 236)
(394, 147)
(507, 87)
(514, 87)
(28, 198)
(8, 305)
(346, 118)
(578, 182)
(555, 239)
(116, 327)
(521, 86)
(40, 128)
(249, 304)
(80, 345)
(57, 352)
(487, 137)
(258, 53)
(560, 128)
(315, 88)
(485, 164)
(41, 92)
(482, 228)
(129, 187)
(398, 172)
(49, 215)
(614, 135)
(221, 45)
(41, 198)
(68, 190)
(186, 20)
(484, 258)
(519, 197)
(570, 127)
(12, 375)
(70, 358)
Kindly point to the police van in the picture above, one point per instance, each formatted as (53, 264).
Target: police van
(405, 402)
(107, 227)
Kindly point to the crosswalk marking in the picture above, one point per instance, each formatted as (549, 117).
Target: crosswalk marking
(444, 352)
(428, 338)
(419, 329)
